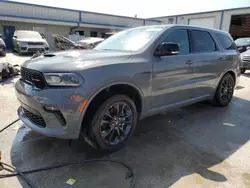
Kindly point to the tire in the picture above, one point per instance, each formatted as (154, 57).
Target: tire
(105, 125)
(3, 53)
(242, 70)
(225, 90)
(18, 51)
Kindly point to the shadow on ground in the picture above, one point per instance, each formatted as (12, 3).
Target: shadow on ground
(11, 80)
(164, 149)
(29, 54)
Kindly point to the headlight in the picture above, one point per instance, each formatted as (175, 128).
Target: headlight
(63, 79)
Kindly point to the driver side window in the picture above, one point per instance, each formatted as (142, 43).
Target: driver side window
(179, 36)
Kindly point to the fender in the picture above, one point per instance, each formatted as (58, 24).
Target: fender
(98, 91)
(222, 75)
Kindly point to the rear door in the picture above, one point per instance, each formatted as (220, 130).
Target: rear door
(207, 64)
(230, 50)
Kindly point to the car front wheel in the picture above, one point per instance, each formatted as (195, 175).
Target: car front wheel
(225, 90)
(113, 123)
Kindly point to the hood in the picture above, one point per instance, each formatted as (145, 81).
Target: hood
(242, 48)
(31, 40)
(68, 61)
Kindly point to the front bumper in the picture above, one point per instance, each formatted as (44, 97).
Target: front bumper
(33, 48)
(245, 64)
(34, 115)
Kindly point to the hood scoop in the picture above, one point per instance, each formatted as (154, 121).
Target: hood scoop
(49, 55)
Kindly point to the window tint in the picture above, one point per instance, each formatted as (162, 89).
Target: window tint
(179, 36)
(202, 41)
(226, 42)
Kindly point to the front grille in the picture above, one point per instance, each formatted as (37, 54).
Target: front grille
(246, 58)
(35, 49)
(35, 43)
(38, 120)
(34, 77)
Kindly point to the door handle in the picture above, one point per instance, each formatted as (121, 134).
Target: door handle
(189, 62)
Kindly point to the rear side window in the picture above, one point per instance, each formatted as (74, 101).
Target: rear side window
(226, 42)
(179, 36)
(202, 41)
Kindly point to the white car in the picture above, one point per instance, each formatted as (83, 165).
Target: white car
(2, 47)
(90, 42)
(29, 41)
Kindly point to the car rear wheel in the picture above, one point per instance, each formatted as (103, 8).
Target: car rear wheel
(242, 70)
(3, 53)
(225, 90)
(113, 123)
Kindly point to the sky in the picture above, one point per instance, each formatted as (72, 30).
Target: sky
(143, 8)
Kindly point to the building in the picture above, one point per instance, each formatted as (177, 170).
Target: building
(52, 20)
(235, 21)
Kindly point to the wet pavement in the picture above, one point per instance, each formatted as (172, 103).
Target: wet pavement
(197, 146)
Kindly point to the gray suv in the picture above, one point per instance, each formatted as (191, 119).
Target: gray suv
(139, 72)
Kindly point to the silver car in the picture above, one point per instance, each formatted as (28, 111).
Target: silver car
(29, 41)
(136, 73)
(2, 47)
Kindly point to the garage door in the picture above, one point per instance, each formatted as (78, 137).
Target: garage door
(202, 22)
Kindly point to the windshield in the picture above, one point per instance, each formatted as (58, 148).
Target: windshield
(28, 34)
(130, 40)
(242, 41)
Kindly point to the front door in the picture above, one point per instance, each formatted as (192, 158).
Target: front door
(172, 81)
(8, 32)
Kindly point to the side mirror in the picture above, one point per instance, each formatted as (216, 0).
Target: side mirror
(166, 49)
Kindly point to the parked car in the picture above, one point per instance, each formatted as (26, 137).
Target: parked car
(63, 43)
(245, 59)
(242, 44)
(29, 42)
(90, 42)
(2, 47)
(136, 73)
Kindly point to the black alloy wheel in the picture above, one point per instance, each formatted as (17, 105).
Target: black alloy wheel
(116, 123)
(113, 123)
(225, 90)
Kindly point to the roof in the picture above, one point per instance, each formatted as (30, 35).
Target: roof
(222, 10)
(45, 6)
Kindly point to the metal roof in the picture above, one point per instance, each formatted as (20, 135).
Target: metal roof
(45, 6)
(239, 8)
